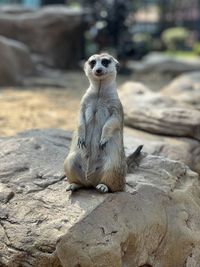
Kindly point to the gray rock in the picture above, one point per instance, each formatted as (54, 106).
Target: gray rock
(41, 225)
(142, 227)
(185, 89)
(186, 150)
(164, 64)
(156, 113)
(52, 34)
(5, 193)
(16, 62)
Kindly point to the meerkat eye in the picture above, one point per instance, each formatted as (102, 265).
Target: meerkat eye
(92, 63)
(105, 62)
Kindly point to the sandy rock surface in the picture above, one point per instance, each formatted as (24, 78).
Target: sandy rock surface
(42, 225)
(186, 150)
(35, 209)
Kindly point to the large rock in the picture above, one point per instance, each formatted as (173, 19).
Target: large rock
(16, 62)
(185, 89)
(154, 223)
(52, 33)
(156, 113)
(165, 64)
(186, 150)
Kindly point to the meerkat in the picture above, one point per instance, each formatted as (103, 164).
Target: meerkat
(97, 157)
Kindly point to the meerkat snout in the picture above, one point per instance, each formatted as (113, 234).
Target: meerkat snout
(99, 71)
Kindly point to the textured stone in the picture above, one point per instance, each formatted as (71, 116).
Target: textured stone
(155, 222)
(51, 33)
(35, 210)
(185, 89)
(16, 62)
(153, 112)
(165, 64)
(186, 150)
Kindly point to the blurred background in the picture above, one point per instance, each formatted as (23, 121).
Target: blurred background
(43, 44)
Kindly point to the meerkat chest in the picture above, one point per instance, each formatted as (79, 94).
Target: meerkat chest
(97, 110)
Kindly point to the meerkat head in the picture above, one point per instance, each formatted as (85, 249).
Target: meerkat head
(101, 67)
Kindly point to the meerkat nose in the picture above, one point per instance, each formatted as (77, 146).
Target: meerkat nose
(98, 71)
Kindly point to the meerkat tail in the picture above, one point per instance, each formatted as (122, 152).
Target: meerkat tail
(132, 157)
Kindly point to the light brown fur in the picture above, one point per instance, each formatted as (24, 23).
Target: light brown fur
(96, 157)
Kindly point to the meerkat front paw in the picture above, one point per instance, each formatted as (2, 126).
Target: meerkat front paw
(103, 143)
(81, 143)
(73, 187)
(102, 188)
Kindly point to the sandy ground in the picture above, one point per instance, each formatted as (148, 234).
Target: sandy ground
(39, 107)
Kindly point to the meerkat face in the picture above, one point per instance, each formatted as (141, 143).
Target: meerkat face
(99, 67)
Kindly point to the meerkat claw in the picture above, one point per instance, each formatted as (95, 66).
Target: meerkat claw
(81, 143)
(102, 188)
(103, 145)
(73, 187)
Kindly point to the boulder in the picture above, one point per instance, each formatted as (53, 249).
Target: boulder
(154, 223)
(52, 34)
(182, 149)
(142, 227)
(155, 113)
(164, 64)
(16, 62)
(185, 89)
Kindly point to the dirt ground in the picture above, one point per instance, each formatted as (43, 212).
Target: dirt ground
(41, 107)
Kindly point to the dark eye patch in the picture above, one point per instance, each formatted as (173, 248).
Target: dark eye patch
(105, 62)
(92, 63)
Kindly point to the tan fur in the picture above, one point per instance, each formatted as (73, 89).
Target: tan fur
(99, 158)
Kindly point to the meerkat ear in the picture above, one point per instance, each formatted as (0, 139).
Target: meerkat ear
(117, 66)
(84, 66)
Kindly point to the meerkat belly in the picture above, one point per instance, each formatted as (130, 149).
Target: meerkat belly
(95, 155)
(94, 128)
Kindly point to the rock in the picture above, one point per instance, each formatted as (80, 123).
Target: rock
(185, 89)
(5, 193)
(51, 33)
(142, 227)
(155, 113)
(39, 210)
(15, 62)
(164, 64)
(14, 9)
(41, 225)
(186, 150)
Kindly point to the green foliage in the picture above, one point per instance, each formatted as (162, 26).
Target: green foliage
(144, 40)
(181, 54)
(196, 49)
(175, 38)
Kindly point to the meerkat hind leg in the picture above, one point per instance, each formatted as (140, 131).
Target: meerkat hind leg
(102, 188)
(73, 187)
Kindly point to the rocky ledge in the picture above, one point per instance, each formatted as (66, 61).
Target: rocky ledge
(154, 223)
